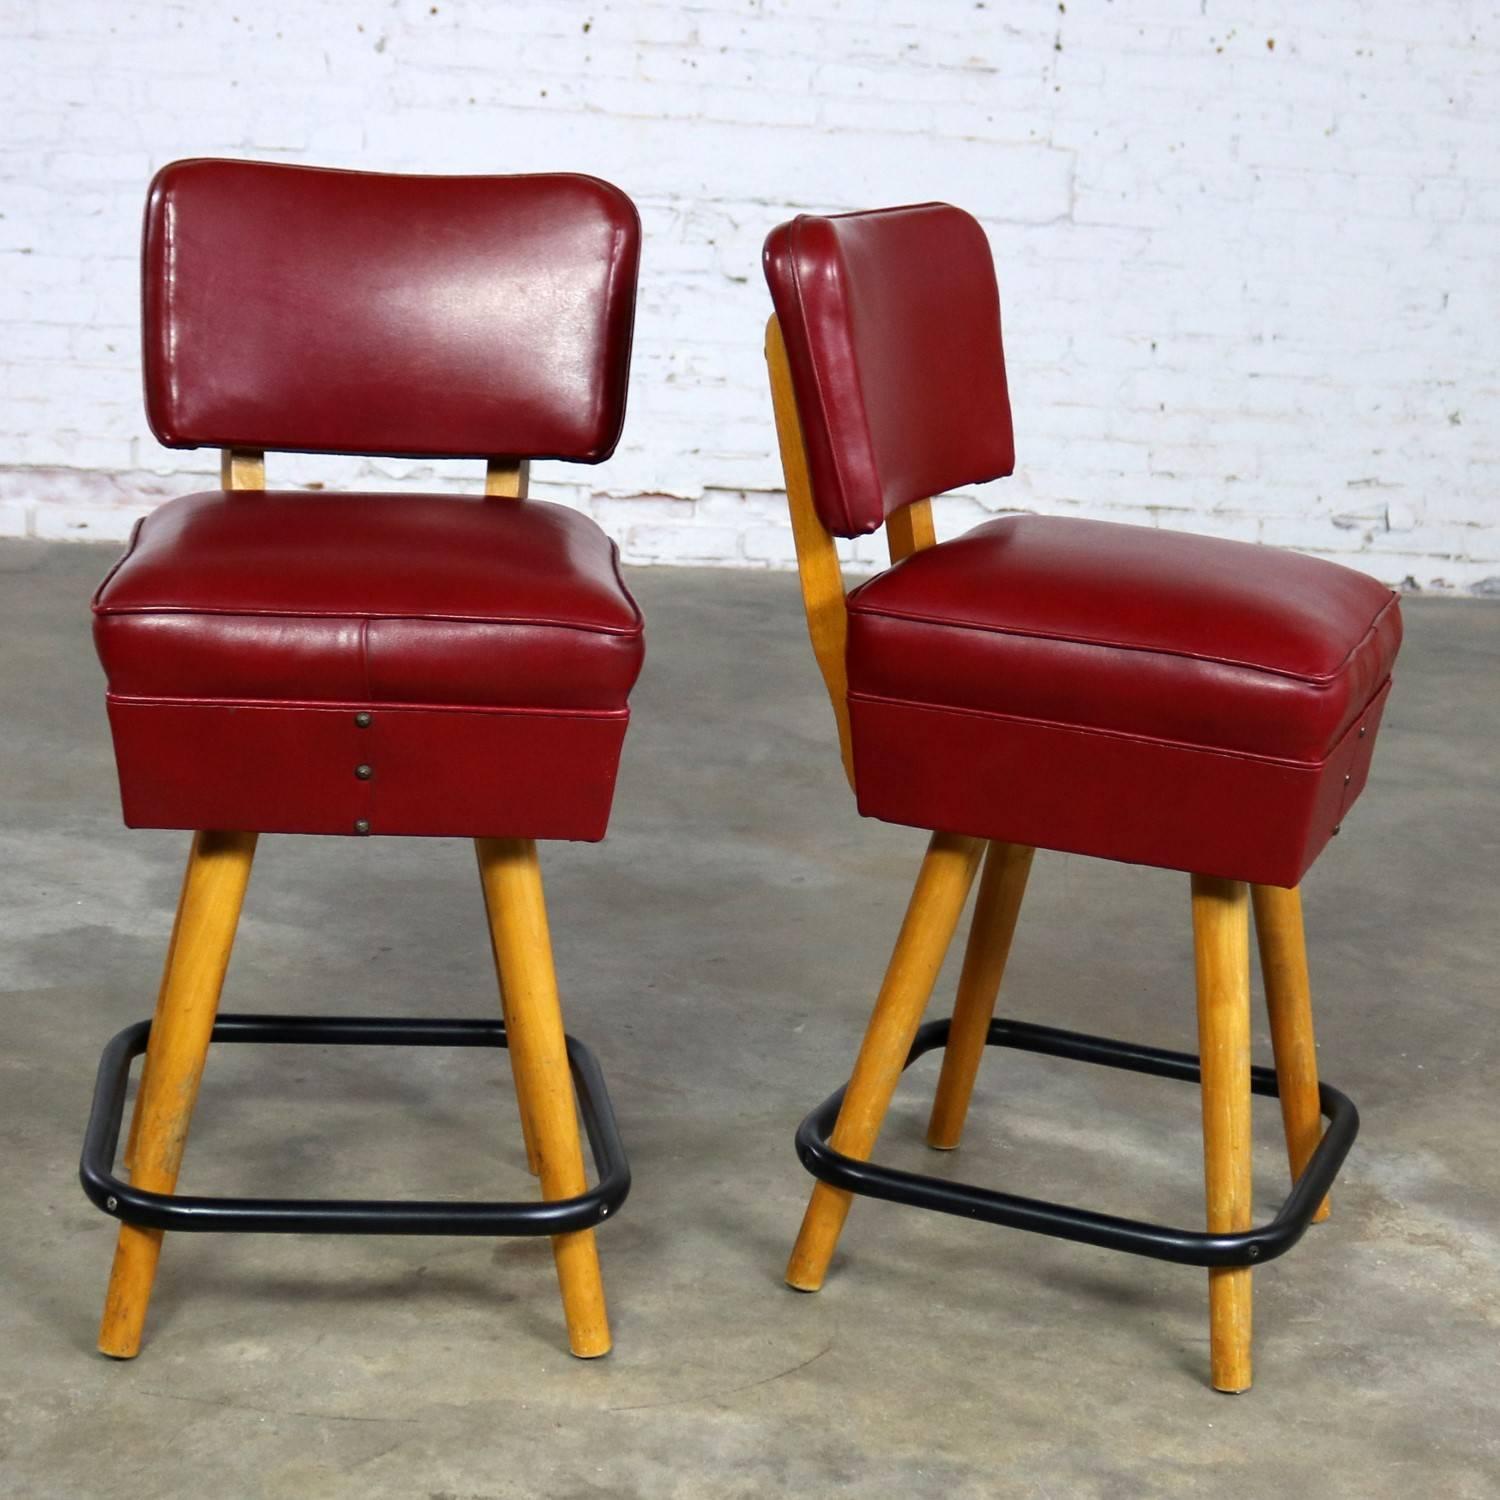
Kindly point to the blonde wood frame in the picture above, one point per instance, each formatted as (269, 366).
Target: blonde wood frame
(1221, 948)
(161, 992)
(208, 912)
(1221, 944)
(991, 929)
(507, 478)
(242, 469)
(245, 469)
(493, 918)
(512, 880)
(817, 556)
(937, 902)
(907, 530)
(1283, 962)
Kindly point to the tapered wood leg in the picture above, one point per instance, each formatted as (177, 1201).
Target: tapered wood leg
(1283, 963)
(936, 904)
(992, 927)
(1221, 944)
(528, 1130)
(208, 912)
(161, 995)
(533, 1162)
(512, 881)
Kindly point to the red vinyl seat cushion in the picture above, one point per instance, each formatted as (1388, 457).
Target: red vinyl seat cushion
(1142, 695)
(475, 655)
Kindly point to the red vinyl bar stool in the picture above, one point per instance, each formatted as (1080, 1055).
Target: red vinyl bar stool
(371, 664)
(1139, 695)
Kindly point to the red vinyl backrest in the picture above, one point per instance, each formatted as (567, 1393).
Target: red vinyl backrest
(892, 326)
(326, 311)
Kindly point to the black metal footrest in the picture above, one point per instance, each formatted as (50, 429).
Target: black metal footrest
(333, 1216)
(1185, 1246)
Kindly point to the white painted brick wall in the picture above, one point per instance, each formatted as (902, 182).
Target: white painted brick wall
(1249, 253)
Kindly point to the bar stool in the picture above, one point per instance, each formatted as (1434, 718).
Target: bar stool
(1138, 695)
(371, 664)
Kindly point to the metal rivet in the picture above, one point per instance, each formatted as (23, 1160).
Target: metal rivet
(1253, 1252)
(1362, 731)
(361, 825)
(1347, 780)
(364, 772)
(363, 721)
(1336, 828)
(111, 1204)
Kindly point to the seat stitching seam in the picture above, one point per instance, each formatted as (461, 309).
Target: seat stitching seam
(624, 632)
(135, 536)
(635, 609)
(1312, 678)
(137, 700)
(1118, 734)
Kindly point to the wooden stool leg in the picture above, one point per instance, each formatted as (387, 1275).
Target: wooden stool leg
(528, 1131)
(1283, 962)
(128, 1159)
(996, 908)
(936, 904)
(207, 915)
(1221, 943)
(512, 881)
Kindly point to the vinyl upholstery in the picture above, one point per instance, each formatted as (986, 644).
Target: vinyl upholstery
(892, 328)
(294, 307)
(1120, 691)
(308, 662)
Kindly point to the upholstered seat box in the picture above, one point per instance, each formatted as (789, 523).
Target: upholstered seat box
(343, 663)
(1139, 695)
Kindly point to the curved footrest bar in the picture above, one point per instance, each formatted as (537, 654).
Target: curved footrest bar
(1184, 1246)
(333, 1216)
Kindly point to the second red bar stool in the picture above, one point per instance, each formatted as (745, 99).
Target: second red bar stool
(1139, 695)
(371, 665)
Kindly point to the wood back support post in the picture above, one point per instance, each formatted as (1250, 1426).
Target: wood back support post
(907, 530)
(245, 469)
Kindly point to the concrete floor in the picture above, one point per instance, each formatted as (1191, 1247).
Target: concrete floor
(721, 951)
